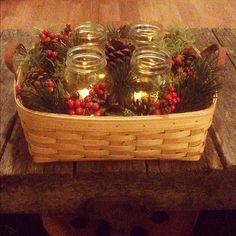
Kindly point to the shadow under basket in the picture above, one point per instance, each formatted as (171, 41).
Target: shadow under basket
(58, 137)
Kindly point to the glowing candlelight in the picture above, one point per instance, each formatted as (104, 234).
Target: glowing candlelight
(83, 93)
(139, 95)
(101, 76)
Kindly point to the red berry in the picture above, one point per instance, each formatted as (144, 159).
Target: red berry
(186, 51)
(50, 89)
(51, 35)
(167, 96)
(82, 104)
(47, 39)
(50, 83)
(89, 104)
(174, 100)
(79, 111)
(157, 112)
(48, 52)
(172, 107)
(77, 103)
(96, 106)
(190, 73)
(157, 104)
(45, 31)
(68, 97)
(71, 112)
(178, 99)
(37, 84)
(97, 113)
(96, 88)
(70, 103)
(100, 92)
(174, 95)
(92, 92)
(87, 99)
(171, 88)
(102, 85)
(18, 90)
(54, 54)
(178, 58)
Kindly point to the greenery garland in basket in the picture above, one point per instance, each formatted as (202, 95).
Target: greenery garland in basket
(189, 84)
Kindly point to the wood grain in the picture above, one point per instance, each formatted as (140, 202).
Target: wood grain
(224, 121)
(193, 13)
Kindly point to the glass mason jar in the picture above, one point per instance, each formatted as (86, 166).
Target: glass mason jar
(85, 66)
(149, 64)
(145, 34)
(90, 34)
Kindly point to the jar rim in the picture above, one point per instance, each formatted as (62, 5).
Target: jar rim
(95, 31)
(86, 59)
(150, 60)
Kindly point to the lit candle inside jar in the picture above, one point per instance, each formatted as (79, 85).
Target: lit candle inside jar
(83, 93)
(139, 95)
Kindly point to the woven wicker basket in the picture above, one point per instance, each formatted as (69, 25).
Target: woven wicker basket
(57, 137)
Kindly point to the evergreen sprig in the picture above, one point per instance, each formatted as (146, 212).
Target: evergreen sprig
(176, 39)
(122, 84)
(199, 92)
(41, 99)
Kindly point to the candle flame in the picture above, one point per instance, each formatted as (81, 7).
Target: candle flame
(139, 95)
(83, 93)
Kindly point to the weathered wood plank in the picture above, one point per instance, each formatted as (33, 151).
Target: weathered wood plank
(111, 168)
(227, 38)
(63, 194)
(7, 104)
(16, 159)
(224, 121)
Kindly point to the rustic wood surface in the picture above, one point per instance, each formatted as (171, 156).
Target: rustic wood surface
(62, 187)
(192, 13)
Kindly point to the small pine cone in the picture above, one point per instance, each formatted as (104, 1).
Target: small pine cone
(143, 107)
(118, 52)
(36, 74)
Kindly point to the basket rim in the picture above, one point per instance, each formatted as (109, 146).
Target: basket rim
(19, 105)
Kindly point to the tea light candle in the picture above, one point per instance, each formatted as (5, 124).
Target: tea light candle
(139, 95)
(83, 93)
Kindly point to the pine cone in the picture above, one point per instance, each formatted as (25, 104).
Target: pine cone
(143, 107)
(117, 52)
(35, 74)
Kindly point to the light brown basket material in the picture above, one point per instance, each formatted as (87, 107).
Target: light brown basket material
(56, 137)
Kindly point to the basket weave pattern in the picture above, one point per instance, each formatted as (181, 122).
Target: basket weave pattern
(53, 137)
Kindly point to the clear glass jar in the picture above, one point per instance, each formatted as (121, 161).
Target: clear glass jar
(149, 63)
(90, 34)
(85, 66)
(145, 34)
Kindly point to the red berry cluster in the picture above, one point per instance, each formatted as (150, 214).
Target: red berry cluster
(182, 63)
(65, 34)
(99, 91)
(167, 103)
(52, 54)
(18, 90)
(89, 105)
(46, 36)
(83, 106)
(50, 85)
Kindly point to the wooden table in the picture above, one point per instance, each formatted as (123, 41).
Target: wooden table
(62, 187)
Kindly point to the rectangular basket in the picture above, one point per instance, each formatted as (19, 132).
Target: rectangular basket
(58, 137)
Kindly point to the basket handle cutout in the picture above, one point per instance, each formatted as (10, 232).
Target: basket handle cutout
(9, 53)
(221, 58)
